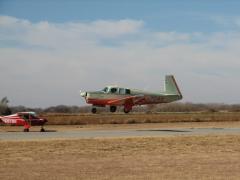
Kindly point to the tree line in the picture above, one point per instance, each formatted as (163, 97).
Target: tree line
(170, 107)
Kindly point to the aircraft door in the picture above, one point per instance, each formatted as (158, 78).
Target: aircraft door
(27, 118)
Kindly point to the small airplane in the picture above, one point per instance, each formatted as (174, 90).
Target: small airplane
(114, 96)
(26, 119)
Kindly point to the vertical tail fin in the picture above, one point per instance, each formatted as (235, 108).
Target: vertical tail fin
(171, 86)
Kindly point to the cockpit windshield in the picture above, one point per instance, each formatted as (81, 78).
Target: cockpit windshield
(105, 89)
(28, 116)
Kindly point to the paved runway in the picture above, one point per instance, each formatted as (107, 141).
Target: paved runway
(51, 134)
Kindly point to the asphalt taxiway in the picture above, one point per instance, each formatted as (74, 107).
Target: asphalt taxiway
(154, 132)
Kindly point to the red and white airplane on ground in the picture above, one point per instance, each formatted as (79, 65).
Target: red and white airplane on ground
(26, 119)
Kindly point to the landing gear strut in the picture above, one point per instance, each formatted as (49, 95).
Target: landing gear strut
(127, 109)
(113, 108)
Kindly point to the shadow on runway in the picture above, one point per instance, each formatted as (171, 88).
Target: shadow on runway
(211, 128)
(164, 130)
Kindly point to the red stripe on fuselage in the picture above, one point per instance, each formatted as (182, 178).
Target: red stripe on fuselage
(103, 102)
(99, 101)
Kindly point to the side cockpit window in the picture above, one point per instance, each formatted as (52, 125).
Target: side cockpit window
(24, 116)
(32, 116)
(128, 91)
(113, 90)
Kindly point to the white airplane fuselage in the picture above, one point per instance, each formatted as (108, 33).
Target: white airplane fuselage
(114, 96)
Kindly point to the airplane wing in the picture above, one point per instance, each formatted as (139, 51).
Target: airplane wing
(130, 100)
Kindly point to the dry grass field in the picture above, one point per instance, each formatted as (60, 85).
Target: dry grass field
(184, 157)
(132, 118)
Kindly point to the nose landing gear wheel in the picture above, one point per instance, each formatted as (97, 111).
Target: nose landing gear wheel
(94, 110)
(42, 130)
(26, 130)
(113, 108)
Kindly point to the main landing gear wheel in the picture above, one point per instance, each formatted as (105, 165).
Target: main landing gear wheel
(94, 110)
(113, 108)
(26, 130)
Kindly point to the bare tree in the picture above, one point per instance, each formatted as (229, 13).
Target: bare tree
(4, 109)
(4, 101)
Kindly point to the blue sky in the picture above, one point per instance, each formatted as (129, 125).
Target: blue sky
(61, 47)
(182, 16)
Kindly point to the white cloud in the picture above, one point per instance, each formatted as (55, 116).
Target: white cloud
(56, 35)
(114, 28)
(172, 37)
(227, 21)
(46, 63)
